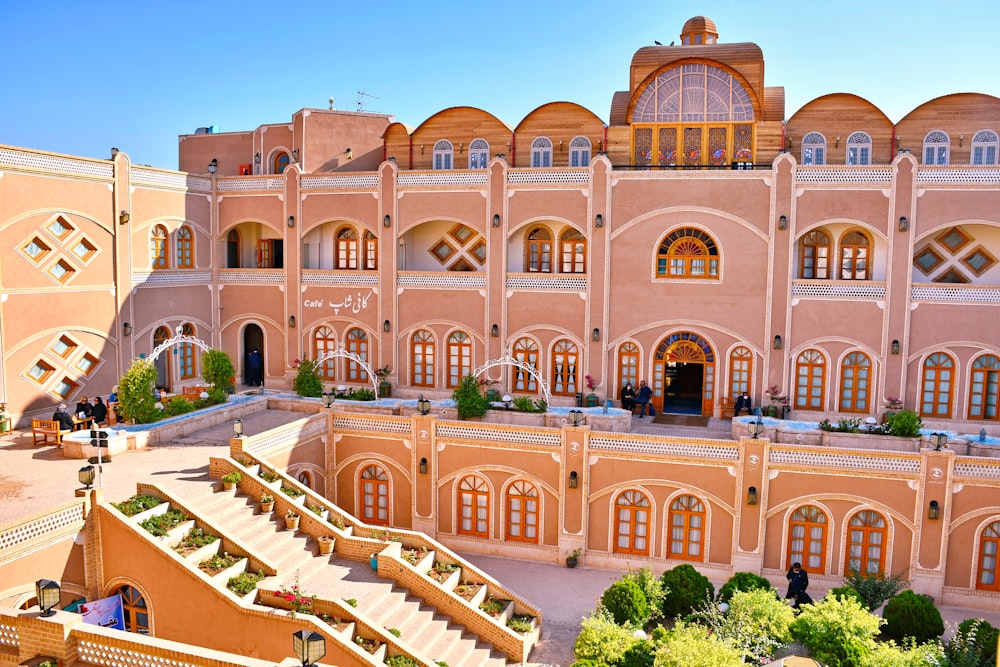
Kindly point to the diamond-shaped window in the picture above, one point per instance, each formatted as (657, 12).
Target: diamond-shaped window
(461, 264)
(64, 388)
(442, 251)
(953, 239)
(63, 346)
(479, 251)
(84, 249)
(59, 228)
(979, 260)
(952, 276)
(461, 233)
(927, 259)
(36, 249)
(87, 363)
(40, 372)
(61, 271)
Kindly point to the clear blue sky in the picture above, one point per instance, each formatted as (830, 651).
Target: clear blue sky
(81, 77)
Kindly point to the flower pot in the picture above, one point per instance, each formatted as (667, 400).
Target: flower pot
(571, 561)
(326, 544)
(267, 508)
(384, 390)
(292, 522)
(591, 400)
(228, 486)
(771, 411)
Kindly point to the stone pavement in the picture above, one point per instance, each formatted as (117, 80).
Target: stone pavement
(34, 480)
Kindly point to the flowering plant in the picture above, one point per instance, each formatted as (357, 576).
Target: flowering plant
(590, 383)
(487, 382)
(383, 373)
(893, 403)
(298, 600)
(3, 407)
(775, 396)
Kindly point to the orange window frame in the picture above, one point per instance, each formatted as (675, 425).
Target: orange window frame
(632, 521)
(325, 340)
(158, 247)
(538, 251)
(815, 248)
(810, 373)
(989, 554)
(459, 358)
(374, 490)
(740, 370)
(855, 380)
(473, 505)
(935, 387)
(526, 351)
(422, 359)
(687, 528)
(565, 368)
(802, 527)
(185, 248)
(867, 535)
(522, 513)
(628, 364)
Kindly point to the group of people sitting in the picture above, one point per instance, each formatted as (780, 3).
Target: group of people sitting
(642, 398)
(86, 414)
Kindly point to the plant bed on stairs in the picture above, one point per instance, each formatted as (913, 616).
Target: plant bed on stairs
(219, 562)
(467, 591)
(162, 524)
(195, 539)
(245, 582)
(441, 572)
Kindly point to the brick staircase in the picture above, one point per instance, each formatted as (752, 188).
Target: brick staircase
(424, 630)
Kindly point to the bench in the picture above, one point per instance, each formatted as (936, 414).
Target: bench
(728, 407)
(193, 393)
(43, 429)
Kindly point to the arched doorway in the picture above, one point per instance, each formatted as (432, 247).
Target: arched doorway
(253, 339)
(684, 375)
(233, 249)
(162, 362)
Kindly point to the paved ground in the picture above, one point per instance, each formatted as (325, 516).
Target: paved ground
(33, 480)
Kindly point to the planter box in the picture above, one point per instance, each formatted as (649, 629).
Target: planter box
(869, 441)
(789, 437)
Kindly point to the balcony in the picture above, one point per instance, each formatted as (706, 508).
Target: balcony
(838, 289)
(547, 282)
(958, 294)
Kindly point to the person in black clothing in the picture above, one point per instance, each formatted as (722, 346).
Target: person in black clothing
(83, 407)
(798, 582)
(744, 402)
(63, 417)
(642, 399)
(99, 411)
(255, 366)
(628, 397)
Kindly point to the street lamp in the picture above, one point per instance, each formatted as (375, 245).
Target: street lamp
(47, 592)
(309, 646)
(423, 405)
(755, 428)
(575, 417)
(238, 428)
(86, 475)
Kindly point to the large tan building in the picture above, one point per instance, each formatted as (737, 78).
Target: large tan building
(698, 240)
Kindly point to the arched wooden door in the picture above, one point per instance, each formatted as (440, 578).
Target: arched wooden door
(684, 375)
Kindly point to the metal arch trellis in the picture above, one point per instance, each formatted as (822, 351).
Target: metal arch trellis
(177, 340)
(509, 360)
(341, 351)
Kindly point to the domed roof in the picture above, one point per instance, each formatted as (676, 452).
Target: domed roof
(700, 24)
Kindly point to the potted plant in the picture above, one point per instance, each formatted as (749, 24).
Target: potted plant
(384, 388)
(573, 558)
(292, 520)
(3, 417)
(892, 406)
(266, 503)
(591, 400)
(779, 402)
(326, 544)
(230, 481)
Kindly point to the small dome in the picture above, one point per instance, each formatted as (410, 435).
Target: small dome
(699, 30)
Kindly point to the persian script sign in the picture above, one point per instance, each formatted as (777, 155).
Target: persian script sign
(352, 303)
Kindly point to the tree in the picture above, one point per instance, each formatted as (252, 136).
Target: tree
(838, 631)
(217, 369)
(685, 588)
(307, 382)
(757, 623)
(603, 641)
(136, 400)
(875, 589)
(913, 615)
(469, 400)
(626, 602)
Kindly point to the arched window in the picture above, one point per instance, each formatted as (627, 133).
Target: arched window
(579, 152)
(628, 364)
(935, 390)
(280, 163)
(459, 358)
(688, 253)
(740, 370)
(185, 248)
(936, 148)
(347, 249)
(443, 153)
(522, 512)
(538, 251)
(632, 524)
(814, 255)
(807, 538)
(810, 381)
(134, 608)
(695, 93)
(158, 247)
(855, 375)
(186, 354)
(855, 253)
(375, 495)
(814, 149)
(474, 506)
(422, 358)
(866, 540)
(573, 249)
(859, 149)
(983, 387)
(479, 154)
(565, 360)
(687, 528)
(987, 578)
(541, 152)
(357, 342)
(161, 335)
(526, 351)
(371, 251)
(985, 147)
(233, 249)
(325, 340)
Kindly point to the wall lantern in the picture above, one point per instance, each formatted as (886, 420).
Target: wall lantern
(752, 495)
(495, 331)
(328, 398)
(126, 328)
(86, 475)
(124, 217)
(47, 592)
(596, 335)
(496, 219)
(213, 166)
(256, 158)
(574, 480)
(755, 428)
(387, 326)
(783, 222)
(309, 646)
(423, 407)
(777, 342)
(348, 153)
(291, 321)
(894, 346)
(933, 510)
(238, 428)
(507, 400)
(940, 441)
(387, 221)
(598, 221)
(904, 224)
(575, 417)
(291, 221)
(295, 154)
(423, 465)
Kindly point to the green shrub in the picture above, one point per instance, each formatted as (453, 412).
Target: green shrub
(178, 405)
(601, 640)
(135, 392)
(159, 525)
(520, 622)
(888, 654)
(136, 504)
(905, 424)
(232, 478)
(742, 581)
(874, 589)
(838, 631)
(684, 589)
(401, 661)
(395, 632)
(626, 602)
(360, 394)
(847, 592)
(694, 646)
(195, 539)
(641, 654)
(307, 382)
(913, 615)
(527, 404)
(974, 644)
(245, 582)
(469, 400)
(758, 623)
(651, 588)
(218, 371)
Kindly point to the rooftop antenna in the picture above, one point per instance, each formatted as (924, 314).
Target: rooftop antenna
(361, 99)
(331, 104)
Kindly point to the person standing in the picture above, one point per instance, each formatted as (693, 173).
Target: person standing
(744, 402)
(643, 398)
(798, 582)
(255, 376)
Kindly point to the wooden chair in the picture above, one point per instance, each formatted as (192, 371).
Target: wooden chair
(728, 407)
(43, 429)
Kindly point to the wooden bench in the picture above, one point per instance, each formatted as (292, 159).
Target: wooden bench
(193, 393)
(728, 407)
(43, 429)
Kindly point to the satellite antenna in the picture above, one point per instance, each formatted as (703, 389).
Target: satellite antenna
(331, 104)
(361, 99)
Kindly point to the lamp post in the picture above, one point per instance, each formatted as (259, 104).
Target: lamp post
(575, 417)
(238, 428)
(755, 428)
(327, 398)
(47, 592)
(86, 475)
(423, 405)
(309, 646)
